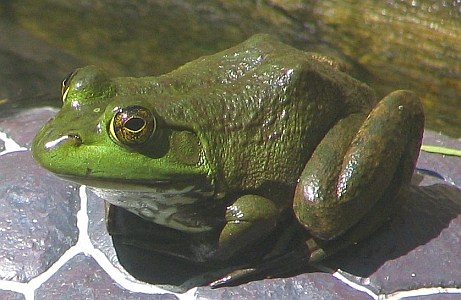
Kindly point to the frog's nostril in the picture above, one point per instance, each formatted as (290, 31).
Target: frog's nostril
(75, 138)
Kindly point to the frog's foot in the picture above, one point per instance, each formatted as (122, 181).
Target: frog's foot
(290, 264)
(358, 169)
(248, 220)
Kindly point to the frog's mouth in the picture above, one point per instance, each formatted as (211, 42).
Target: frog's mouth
(138, 184)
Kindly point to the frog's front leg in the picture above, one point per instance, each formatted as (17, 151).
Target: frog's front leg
(355, 177)
(249, 219)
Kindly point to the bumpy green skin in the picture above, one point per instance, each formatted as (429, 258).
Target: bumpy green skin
(241, 128)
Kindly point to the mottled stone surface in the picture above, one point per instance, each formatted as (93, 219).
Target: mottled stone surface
(309, 286)
(37, 218)
(6, 295)
(438, 297)
(82, 278)
(22, 127)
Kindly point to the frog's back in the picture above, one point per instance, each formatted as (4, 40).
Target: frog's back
(260, 109)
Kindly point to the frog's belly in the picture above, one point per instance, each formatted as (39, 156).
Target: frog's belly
(160, 207)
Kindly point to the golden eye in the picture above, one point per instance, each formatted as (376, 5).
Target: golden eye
(65, 85)
(132, 126)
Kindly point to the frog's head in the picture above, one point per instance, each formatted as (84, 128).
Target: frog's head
(108, 137)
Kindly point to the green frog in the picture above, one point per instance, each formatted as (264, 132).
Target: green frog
(224, 150)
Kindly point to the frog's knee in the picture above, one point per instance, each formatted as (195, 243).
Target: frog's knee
(325, 219)
(405, 103)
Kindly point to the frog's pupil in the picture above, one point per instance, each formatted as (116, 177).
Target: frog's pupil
(135, 124)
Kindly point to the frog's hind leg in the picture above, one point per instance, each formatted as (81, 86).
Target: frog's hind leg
(355, 177)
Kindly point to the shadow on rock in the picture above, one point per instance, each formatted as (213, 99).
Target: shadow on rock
(427, 211)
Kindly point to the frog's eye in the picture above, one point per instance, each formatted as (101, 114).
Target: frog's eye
(132, 126)
(65, 85)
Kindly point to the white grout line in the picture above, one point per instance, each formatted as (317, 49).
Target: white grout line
(10, 144)
(28, 288)
(338, 275)
(398, 294)
(87, 247)
(420, 292)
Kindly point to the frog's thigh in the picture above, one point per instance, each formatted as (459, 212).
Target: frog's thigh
(349, 172)
(249, 218)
